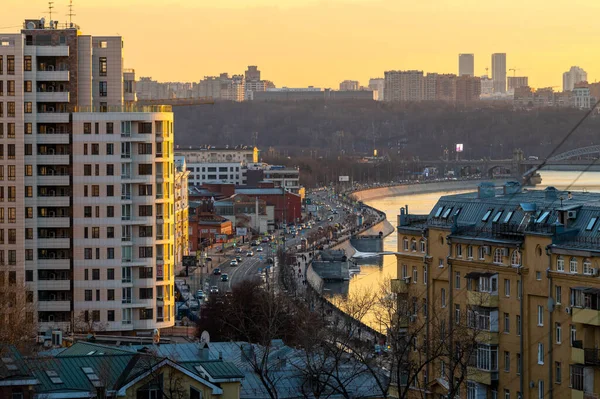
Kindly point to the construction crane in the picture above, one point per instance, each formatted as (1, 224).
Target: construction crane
(486, 71)
(515, 69)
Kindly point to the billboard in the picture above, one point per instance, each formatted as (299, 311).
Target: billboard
(189, 261)
(241, 231)
(459, 148)
(344, 178)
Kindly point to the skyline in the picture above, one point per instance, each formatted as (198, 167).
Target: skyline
(322, 43)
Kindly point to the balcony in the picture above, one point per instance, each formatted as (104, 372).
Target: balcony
(483, 299)
(52, 138)
(577, 354)
(53, 159)
(54, 200)
(592, 356)
(481, 376)
(54, 243)
(54, 306)
(53, 117)
(488, 337)
(586, 316)
(53, 222)
(53, 180)
(53, 96)
(399, 286)
(52, 51)
(52, 76)
(58, 285)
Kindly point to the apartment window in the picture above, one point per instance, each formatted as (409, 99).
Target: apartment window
(87, 212)
(573, 265)
(540, 354)
(558, 294)
(498, 255)
(110, 232)
(558, 372)
(506, 361)
(28, 149)
(110, 190)
(469, 252)
(457, 280)
(425, 275)
(103, 65)
(28, 212)
(87, 170)
(145, 231)
(457, 314)
(10, 88)
(95, 274)
(12, 215)
(29, 233)
(110, 211)
(98, 296)
(11, 130)
(518, 325)
(506, 323)
(97, 253)
(110, 129)
(541, 391)
(95, 149)
(12, 193)
(110, 314)
(103, 88)
(145, 128)
(540, 315)
(145, 149)
(110, 274)
(28, 107)
(538, 276)
(27, 63)
(88, 295)
(443, 297)
(458, 251)
(146, 314)
(110, 169)
(422, 246)
(415, 275)
(146, 293)
(110, 149)
(506, 287)
(145, 190)
(29, 191)
(560, 264)
(87, 128)
(12, 172)
(2, 85)
(573, 334)
(10, 64)
(110, 253)
(96, 232)
(519, 363)
(558, 332)
(28, 87)
(10, 109)
(95, 190)
(145, 252)
(85, 232)
(145, 169)
(145, 210)
(577, 377)
(87, 252)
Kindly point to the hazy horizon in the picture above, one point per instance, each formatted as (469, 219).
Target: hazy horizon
(298, 43)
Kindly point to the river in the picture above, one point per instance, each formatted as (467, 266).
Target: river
(372, 276)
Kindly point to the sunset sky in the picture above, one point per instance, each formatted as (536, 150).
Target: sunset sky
(322, 42)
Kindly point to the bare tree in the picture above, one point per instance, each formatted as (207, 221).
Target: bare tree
(18, 326)
(85, 322)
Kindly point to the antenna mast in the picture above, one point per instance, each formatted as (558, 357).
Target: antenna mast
(71, 14)
(50, 7)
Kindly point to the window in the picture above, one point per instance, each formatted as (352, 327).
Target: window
(110, 128)
(87, 253)
(110, 211)
(560, 264)
(498, 255)
(405, 244)
(28, 86)
(519, 363)
(543, 217)
(458, 251)
(457, 314)
(103, 65)
(87, 128)
(28, 107)
(587, 267)
(469, 252)
(558, 372)
(146, 293)
(540, 354)
(441, 263)
(573, 333)
(95, 274)
(506, 394)
(10, 64)
(519, 289)
(508, 216)
(146, 314)
(145, 128)
(457, 280)
(95, 149)
(11, 130)
(506, 287)
(446, 213)
(591, 224)
(506, 361)
(146, 169)
(438, 213)
(518, 325)
(577, 377)
(110, 190)
(88, 295)
(111, 313)
(110, 149)
(538, 276)
(413, 245)
(506, 323)
(145, 190)
(103, 88)
(422, 242)
(443, 297)
(481, 253)
(540, 315)
(415, 275)
(486, 216)
(10, 88)
(425, 275)
(573, 265)
(145, 149)
(541, 391)
(515, 259)
(110, 253)
(110, 274)
(95, 190)
(497, 217)
(558, 332)
(145, 210)
(558, 294)
(145, 252)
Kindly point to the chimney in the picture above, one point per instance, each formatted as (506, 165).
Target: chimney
(512, 187)
(551, 193)
(486, 190)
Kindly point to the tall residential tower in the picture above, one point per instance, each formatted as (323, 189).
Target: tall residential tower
(466, 64)
(499, 72)
(87, 203)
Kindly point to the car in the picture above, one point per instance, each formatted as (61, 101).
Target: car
(259, 249)
(214, 289)
(217, 272)
(238, 250)
(238, 258)
(224, 277)
(208, 259)
(249, 253)
(199, 294)
(265, 239)
(233, 262)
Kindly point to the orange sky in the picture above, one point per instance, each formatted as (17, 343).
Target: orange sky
(322, 42)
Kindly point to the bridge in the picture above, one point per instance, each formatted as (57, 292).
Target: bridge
(518, 166)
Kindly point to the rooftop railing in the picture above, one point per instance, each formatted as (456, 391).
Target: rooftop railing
(124, 108)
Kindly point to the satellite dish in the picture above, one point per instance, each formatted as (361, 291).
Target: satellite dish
(205, 337)
(30, 25)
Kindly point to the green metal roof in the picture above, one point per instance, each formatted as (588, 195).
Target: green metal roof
(219, 369)
(92, 349)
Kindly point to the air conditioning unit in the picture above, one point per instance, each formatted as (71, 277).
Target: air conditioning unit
(571, 214)
(568, 310)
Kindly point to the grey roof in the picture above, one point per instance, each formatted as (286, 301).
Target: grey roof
(259, 191)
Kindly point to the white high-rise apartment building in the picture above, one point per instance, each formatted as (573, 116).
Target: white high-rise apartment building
(218, 165)
(349, 85)
(86, 201)
(499, 72)
(487, 86)
(404, 86)
(377, 85)
(466, 64)
(572, 77)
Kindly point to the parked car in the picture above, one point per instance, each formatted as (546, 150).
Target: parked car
(199, 294)
(214, 289)
(238, 250)
(217, 272)
(238, 258)
(233, 262)
(224, 277)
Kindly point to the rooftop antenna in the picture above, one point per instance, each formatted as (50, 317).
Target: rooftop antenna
(50, 7)
(71, 14)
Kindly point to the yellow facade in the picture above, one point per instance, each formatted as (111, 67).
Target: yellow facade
(180, 186)
(533, 306)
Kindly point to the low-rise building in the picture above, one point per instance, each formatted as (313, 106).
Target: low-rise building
(516, 273)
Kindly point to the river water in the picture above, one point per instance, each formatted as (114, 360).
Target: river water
(372, 276)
